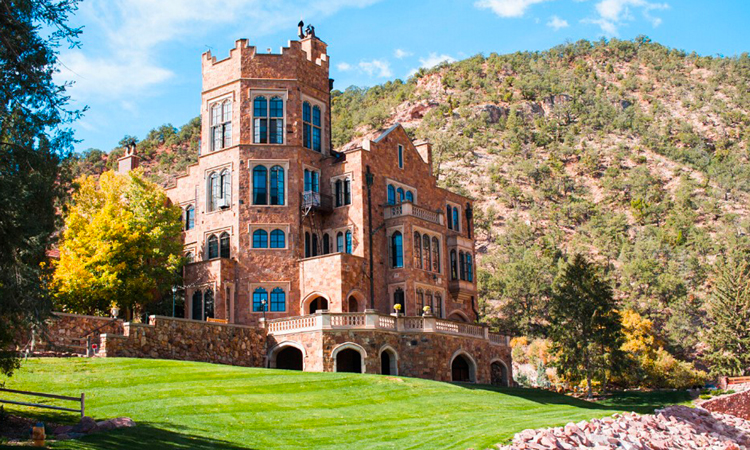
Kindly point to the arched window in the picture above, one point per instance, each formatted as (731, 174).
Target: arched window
(306, 125)
(314, 244)
(260, 192)
(398, 299)
(347, 191)
(268, 120)
(315, 181)
(348, 241)
(326, 244)
(339, 188)
(308, 181)
(469, 268)
(226, 189)
(456, 220)
(449, 216)
(308, 251)
(277, 185)
(278, 239)
(340, 242)
(397, 250)
(462, 265)
(435, 255)
(401, 195)
(438, 306)
(260, 239)
(189, 217)
(316, 126)
(208, 305)
(391, 195)
(417, 250)
(278, 300)
(311, 126)
(454, 266)
(420, 301)
(213, 247)
(409, 197)
(224, 245)
(428, 300)
(196, 312)
(221, 125)
(260, 300)
(214, 191)
(189, 257)
(426, 253)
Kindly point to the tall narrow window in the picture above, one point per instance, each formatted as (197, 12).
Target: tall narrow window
(278, 239)
(314, 247)
(316, 129)
(456, 220)
(417, 250)
(221, 125)
(469, 268)
(226, 189)
(260, 120)
(268, 120)
(308, 251)
(409, 197)
(400, 156)
(306, 125)
(224, 245)
(214, 191)
(391, 195)
(315, 181)
(428, 300)
(454, 266)
(435, 255)
(277, 185)
(426, 252)
(278, 300)
(308, 181)
(398, 299)
(197, 306)
(438, 306)
(213, 247)
(276, 122)
(260, 178)
(420, 301)
(208, 305)
(340, 242)
(339, 191)
(401, 195)
(348, 241)
(347, 191)
(397, 250)
(260, 300)
(189, 257)
(260, 239)
(462, 265)
(449, 216)
(189, 217)
(311, 128)
(326, 244)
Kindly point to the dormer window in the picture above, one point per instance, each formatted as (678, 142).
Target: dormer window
(221, 125)
(312, 126)
(268, 120)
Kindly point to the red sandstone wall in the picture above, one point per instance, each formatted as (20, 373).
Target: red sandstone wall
(65, 331)
(735, 404)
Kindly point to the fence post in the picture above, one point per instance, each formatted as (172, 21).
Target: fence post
(88, 347)
(83, 405)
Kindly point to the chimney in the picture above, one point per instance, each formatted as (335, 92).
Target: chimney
(128, 162)
(425, 151)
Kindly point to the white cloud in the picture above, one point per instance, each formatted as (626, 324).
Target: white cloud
(507, 8)
(613, 13)
(344, 67)
(401, 54)
(376, 67)
(432, 60)
(130, 34)
(557, 23)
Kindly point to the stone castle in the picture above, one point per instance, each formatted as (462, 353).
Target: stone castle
(350, 260)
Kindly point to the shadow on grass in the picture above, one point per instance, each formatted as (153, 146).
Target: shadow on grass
(626, 401)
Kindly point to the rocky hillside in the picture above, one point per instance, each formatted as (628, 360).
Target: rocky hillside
(628, 151)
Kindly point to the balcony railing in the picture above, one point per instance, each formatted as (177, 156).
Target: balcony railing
(410, 209)
(372, 320)
(315, 200)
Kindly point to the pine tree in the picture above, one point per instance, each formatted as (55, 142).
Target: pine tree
(584, 326)
(728, 335)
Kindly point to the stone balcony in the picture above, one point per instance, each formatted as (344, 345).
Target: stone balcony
(317, 201)
(410, 209)
(372, 320)
(458, 287)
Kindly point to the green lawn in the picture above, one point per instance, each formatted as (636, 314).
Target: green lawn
(181, 405)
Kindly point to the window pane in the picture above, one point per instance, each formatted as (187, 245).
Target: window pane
(391, 195)
(277, 185)
(349, 242)
(469, 268)
(409, 196)
(215, 191)
(339, 193)
(217, 137)
(456, 220)
(208, 305)
(307, 245)
(197, 307)
(347, 191)
(226, 186)
(306, 112)
(260, 296)
(426, 252)
(316, 116)
(277, 107)
(314, 247)
(417, 250)
(259, 107)
(454, 266)
(435, 255)
(227, 134)
(260, 175)
(397, 250)
(260, 239)
(308, 181)
(326, 244)
(216, 114)
(224, 244)
(307, 135)
(278, 239)
(449, 216)
(401, 195)
(315, 182)
(189, 218)
(316, 139)
(260, 135)
(340, 243)
(400, 157)
(278, 300)
(276, 130)
(227, 111)
(213, 247)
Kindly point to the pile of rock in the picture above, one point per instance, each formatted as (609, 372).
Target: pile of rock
(675, 427)
(87, 425)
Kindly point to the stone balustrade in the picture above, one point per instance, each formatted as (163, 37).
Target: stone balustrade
(410, 209)
(370, 320)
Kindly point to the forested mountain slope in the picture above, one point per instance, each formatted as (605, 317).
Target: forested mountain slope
(627, 151)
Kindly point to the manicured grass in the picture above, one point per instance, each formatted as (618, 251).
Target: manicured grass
(180, 405)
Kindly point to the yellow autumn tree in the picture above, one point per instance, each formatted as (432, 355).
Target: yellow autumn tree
(121, 245)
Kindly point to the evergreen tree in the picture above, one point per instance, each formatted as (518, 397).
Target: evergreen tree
(728, 335)
(584, 327)
(33, 142)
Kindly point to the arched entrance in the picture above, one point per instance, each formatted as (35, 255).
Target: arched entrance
(289, 358)
(463, 369)
(318, 303)
(353, 304)
(388, 361)
(458, 316)
(498, 374)
(349, 360)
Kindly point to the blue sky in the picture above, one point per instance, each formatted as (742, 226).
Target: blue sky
(139, 65)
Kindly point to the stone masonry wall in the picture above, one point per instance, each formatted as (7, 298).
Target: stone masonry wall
(737, 405)
(188, 340)
(67, 331)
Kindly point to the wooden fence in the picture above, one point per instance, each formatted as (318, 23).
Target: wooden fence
(80, 399)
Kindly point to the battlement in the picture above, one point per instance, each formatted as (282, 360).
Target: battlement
(313, 48)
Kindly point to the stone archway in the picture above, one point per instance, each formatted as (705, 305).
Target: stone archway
(458, 316)
(349, 357)
(356, 301)
(317, 304)
(290, 358)
(463, 368)
(499, 373)
(388, 361)
(315, 301)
